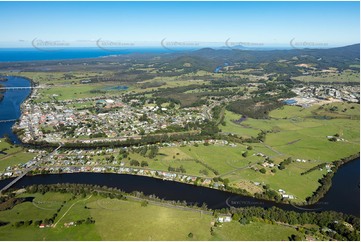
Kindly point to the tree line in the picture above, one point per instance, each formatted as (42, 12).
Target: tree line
(329, 219)
(326, 180)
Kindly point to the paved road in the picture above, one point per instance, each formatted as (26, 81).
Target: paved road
(24, 173)
(7, 121)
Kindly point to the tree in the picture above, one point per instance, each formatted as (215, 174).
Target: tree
(144, 203)
(89, 220)
(244, 221)
(134, 163)
(19, 223)
(236, 217)
(263, 170)
(38, 222)
(141, 131)
(295, 237)
(266, 186)
(143, 118)
(190, 235)
(182, 169)
(153, 151)
(28, 222)
(333, 139)
(204, 172)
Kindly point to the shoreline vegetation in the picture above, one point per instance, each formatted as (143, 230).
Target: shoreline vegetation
(326, 180)
(343, 226)
(325, 183)
(1, 89)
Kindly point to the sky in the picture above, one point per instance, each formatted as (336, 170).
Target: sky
(179, 23)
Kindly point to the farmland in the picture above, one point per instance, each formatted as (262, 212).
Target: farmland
(235, 231)
(300, 133)
(12, 155)
(329, 77)
(158, 222)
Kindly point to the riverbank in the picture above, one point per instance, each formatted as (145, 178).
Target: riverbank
(85, 212)
(214, 198)
(10, 106)
(67, 166)
(1, 89)
(32, 90)
(326, 181)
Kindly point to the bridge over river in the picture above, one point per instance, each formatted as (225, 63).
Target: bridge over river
(18, 88)
(8, 120)
(26, 171)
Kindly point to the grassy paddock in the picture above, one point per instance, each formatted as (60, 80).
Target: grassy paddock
(300, 133)
(345, 76)
(14, 155)
(254, 231)
(127, 220)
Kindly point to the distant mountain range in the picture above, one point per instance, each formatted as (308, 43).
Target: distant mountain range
(349, 52)
(340, 57)
(210, 59)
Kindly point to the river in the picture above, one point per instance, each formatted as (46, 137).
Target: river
(344, 195)
(10, 105)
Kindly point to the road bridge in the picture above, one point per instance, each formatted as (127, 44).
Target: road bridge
(26, 171)
(18, 88)
(8, 120)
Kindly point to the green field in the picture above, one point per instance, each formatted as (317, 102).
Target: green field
(345, 76)
(66, 86)
(212, 155)
(60, 78)
(75, 91)
(224, 159)
(300, 133)
(289, 179)
(125, 220)
(305, 135)
(258, 230)
(156, 223)
(14, 155)
(165, 159)
(234, 128)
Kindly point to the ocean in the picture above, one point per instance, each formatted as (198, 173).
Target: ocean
(32, 54)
